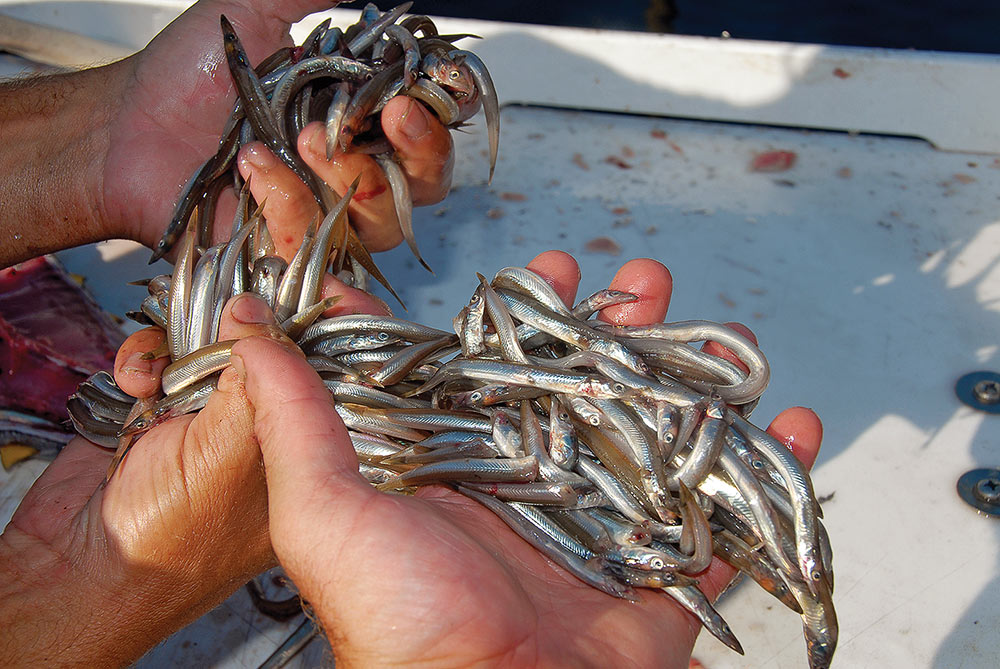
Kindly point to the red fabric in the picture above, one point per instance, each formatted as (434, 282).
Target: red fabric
(53, 335)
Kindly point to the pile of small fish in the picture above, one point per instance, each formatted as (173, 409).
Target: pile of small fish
(624, 454)
(343, 78)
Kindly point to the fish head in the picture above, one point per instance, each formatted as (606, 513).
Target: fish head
(451, 74)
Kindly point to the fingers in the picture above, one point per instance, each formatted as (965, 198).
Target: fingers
(372, 210)
(801, 430)
(560, 270)
(288, 205)
(245, 315)
(352, 300)
(135, 375)
(310, 464)
(648, 279)
(423, 146)
(219, 474)
(720, 351)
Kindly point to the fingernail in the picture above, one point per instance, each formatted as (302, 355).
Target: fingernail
(251, 310)
(258, 157)
(382, 303)
(237, 367)
(136, 363)
(315, 140)
(414, 122)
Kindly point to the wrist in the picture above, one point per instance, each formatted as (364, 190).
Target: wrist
(83, 604)
(56, 138)
(45, 606)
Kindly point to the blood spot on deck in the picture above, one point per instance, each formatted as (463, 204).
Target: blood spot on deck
(656, 133)
(773, 161)
(603, 245)
(618, 162)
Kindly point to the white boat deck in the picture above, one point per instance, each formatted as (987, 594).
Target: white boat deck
(869, 270)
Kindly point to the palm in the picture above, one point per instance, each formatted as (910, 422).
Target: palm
(488, 594)
(61, 491)
(153, 513)
(437, 578)
(180, 95)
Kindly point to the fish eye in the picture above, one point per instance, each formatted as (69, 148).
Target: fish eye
(382, 336)
(656, 563)
(563, 416)
(476, 396)
(454, 74)
(594, 420)
(668, 439)
(618, 387)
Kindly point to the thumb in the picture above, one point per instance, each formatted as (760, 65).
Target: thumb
(424, 148)
(314, 488)
(248, 315)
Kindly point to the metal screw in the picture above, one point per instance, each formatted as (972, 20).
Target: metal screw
(987, 391)
(980, 390)
(988, 490)
(981, 489)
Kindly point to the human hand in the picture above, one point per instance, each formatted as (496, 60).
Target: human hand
(107, 572)
(104, 153)
(173, 98)
(435, 578)
(181, 525)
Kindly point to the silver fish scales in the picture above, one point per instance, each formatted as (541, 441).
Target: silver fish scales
(628, 472)
(342, 78)
(623, 454)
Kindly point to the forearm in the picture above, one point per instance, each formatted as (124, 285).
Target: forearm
(56, 612)
(54, 132)
(46, 609)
